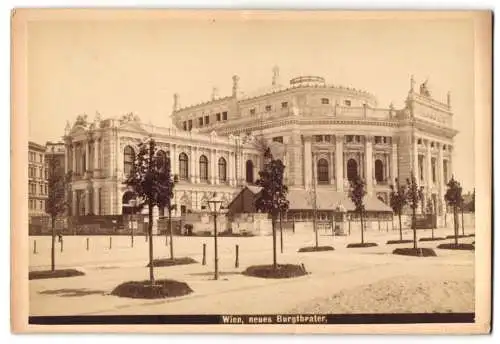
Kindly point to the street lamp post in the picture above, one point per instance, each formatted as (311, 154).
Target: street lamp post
(215, 205)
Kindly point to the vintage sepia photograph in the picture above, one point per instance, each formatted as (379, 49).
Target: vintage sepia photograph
(297, 171)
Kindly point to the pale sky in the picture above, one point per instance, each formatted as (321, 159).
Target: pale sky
(116, 67)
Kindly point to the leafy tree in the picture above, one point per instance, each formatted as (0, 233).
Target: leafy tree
(166, 193)
(57, 201)
(398, 202)
(414, 196)
(472, 203)
(357, 192)
(430, 210)
(272, 198)
(453, 198)
(152, 185)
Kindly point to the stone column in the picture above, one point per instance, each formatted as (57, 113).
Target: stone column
(96, 154)
(232, 169)
(394, 162)
(194, 165)
(66, 153)
(339, 162)
(96, 200)
(439, 178)
(87, 156)
(73, 157)
(242, 164)
(307, 162)
(428, 178)
(119, 158)
(87, 201)
(332, 167)
(369, 164)
(74, 198)
(173, 160)
(111, 159)
(415, 159)
(215, 165)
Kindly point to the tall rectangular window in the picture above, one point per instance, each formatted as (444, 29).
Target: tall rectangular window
(252, 111)
(325, 101)
(421, 166)
(433, 165)
(207, 119)
(190, 124)
(224, 116)
(200, 121)
(278, 139)
(284, 105)
(445, 171)
(268, 108)
(347, 102)
(184, 125)
(217, 115)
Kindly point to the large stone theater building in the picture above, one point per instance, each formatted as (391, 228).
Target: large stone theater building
(325, 134)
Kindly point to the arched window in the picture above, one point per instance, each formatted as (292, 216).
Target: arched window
(161, 159)
(352, 169)
(222, 170)
(203, 168)
(323, 177)
(379, 171)
(183, 166)
(249, 171)
(128, 160)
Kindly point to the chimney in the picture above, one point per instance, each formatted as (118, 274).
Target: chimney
(215, 93)
(412, 83)
(176, 102)
(276, 74)
(236, 79)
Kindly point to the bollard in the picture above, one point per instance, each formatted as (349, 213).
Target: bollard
(62, 245)
(237, 262)
(87, 244)
(132, 241)
(34, 248)
(110, 242)
(204, 261)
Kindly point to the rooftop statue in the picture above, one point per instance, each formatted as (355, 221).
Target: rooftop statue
(424, 91)
(81, 120)
(129, 117)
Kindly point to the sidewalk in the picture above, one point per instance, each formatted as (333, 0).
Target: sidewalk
(331, 272)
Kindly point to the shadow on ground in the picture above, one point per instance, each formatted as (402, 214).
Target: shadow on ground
(211, 273)
(73, 292)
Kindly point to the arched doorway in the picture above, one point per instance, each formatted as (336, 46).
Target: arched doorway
(379, 171)
(352, 169)
(249, 171)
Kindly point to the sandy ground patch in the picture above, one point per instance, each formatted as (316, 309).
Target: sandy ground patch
(402, 294)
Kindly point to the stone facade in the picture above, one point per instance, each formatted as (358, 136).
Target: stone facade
(37, 180)
(96, 152)
(335, 132)
(325, 134)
